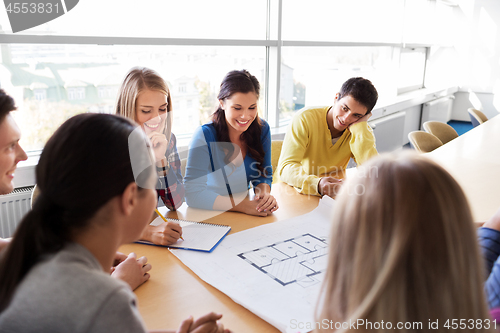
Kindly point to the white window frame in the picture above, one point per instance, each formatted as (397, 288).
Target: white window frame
(273, 43)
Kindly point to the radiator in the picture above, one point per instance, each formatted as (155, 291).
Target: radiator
(389, 131)
(13, 207)
(438, 110)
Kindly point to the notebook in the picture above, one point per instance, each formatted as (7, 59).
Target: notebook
(198, 236)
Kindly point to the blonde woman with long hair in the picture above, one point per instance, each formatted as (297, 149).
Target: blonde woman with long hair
(145, 98)
(403, 253)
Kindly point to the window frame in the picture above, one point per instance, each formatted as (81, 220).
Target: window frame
(272, 43)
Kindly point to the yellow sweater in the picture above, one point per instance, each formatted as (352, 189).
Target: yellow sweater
(308, 151)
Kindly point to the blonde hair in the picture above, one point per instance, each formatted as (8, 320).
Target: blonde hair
(403, 249)
(137, 80)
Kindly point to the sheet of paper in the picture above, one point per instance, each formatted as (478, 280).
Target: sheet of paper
(197, 236)
(274, 270)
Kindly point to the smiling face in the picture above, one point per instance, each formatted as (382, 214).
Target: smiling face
(151, 111)
(240, 110)
(10, 153)
(346, 111)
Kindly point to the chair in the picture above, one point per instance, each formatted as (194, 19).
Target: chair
(444, 132)
(275, 156)
(424, 142)
(476, 117)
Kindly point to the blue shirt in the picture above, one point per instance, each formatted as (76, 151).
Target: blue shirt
(208, 175)
(489, 240)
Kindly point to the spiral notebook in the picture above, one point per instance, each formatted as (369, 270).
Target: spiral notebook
(198, 236)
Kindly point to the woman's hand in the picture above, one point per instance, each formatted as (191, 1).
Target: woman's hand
(205, 324)
(159, 144)
(494, 221)
(166, 233)
(132, 270)
(249, 207)
(266, 202)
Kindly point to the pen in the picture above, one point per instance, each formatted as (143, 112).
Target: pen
(163, 218)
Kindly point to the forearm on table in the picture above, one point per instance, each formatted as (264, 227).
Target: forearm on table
(293, 174)
(262, 188)
(232, 203)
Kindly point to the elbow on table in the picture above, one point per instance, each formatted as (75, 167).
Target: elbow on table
(198, 200)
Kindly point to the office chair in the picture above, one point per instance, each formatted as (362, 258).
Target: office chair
(423, 142)
(34, 195)
(444, 132)
(476, 117)
(275, 156)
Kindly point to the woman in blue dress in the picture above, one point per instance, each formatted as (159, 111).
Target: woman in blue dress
(232, 153)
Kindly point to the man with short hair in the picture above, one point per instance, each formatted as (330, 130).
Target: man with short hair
(321, 140)
(10, 150)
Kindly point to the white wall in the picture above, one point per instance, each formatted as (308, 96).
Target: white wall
(471, 58)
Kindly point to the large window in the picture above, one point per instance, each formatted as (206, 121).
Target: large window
(313, 75)
(63, 80)
(411, 69)
(301, 52)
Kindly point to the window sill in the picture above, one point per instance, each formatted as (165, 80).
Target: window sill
(25, 172)
(386, 107)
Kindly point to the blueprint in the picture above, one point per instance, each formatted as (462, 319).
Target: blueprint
(295, 260)
(274, 270)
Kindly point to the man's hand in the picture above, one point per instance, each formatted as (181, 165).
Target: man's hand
(329, 186)
(364, 118)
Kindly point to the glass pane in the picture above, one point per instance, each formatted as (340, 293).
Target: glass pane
(50, 83)
(411, 69)
(157, 18)
(342, 20)
(313, 75)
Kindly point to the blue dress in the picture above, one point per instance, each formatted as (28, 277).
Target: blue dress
(208, 175)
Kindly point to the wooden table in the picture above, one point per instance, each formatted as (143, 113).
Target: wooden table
(474, 160)
(174, 292)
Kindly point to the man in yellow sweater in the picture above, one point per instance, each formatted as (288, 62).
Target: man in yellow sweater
(321, 140)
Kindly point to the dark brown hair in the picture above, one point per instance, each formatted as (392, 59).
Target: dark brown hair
(243, 82)
(72, 190)
(6, 105)
(362, 90)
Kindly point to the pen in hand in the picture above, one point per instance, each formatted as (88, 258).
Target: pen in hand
(164, 219)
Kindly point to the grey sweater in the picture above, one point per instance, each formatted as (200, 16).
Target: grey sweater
(69, 292)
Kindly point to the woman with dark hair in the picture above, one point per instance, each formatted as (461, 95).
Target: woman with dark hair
(56, 268)
(231, 152)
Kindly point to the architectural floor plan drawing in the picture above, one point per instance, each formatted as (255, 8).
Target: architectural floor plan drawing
(274, 270)
(296, 260)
